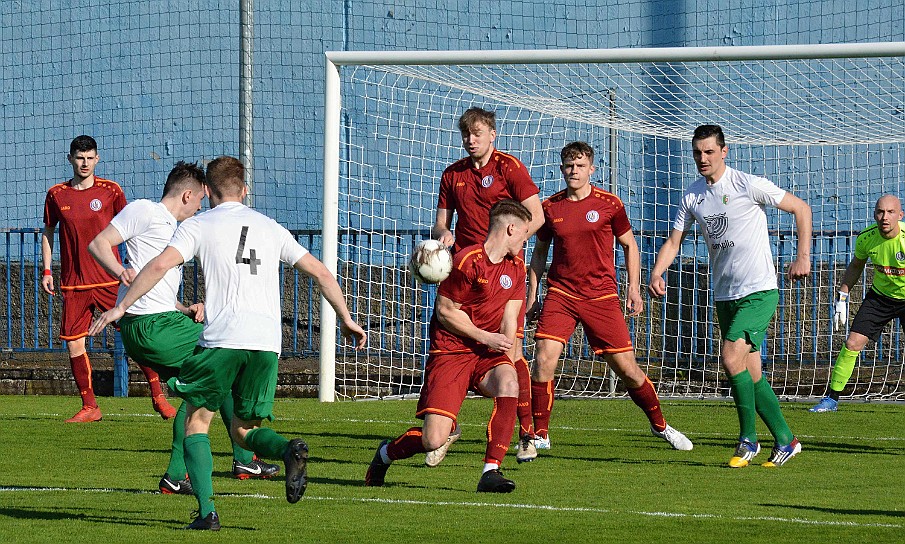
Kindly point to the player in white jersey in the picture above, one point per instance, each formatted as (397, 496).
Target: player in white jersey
(158, 330)
(729, 207)
(240, 251)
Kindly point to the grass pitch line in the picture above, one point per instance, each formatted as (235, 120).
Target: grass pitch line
(514, 506)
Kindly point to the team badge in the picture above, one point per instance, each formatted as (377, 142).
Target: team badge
(487, 181)
(725, 199)
(717, 225)
(95, 205)
(592, 216)
(505, 281)
(900, 256)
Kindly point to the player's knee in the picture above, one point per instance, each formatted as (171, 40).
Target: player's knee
(855, 343)
(434, 439)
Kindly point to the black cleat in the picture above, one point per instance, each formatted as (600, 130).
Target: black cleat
(296, 459)
(255, 469)
(377, 470)
(169, 486)
(210, 522)
(493, 481)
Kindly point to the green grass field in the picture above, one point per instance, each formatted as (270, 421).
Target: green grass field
(605, 480)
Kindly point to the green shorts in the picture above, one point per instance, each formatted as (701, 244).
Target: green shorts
(748, 317)
(161, 341)
(210, 374)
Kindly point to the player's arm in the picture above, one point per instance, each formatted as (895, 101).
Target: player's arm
(852, 274)
(537, 214)
(47, 258)
(667, 254)
(458, 322)
(101, 248)
(442, 225)
(634, 304)
(536, 269)
(330, 289)
(801, 266)
(144, 282)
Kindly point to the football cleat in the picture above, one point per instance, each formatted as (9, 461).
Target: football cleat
(255, 469)
(164, 408)
(210, 522)
(493, 481)
(744, 453)
(377, 470)
(169, 486)
(526, 452)
(86, 415)
(781, 454)
(296, 459)
(541, 442)
(675, 438)
(826, 404)
(434, 457)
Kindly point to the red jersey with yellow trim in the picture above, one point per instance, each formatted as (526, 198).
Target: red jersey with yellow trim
(583, 233)
(471, 192)
(82, 215)
(483, 289)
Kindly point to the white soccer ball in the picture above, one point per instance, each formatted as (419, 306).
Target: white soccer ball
(431, 262)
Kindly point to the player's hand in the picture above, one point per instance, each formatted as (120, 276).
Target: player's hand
(634, 304)
(196, 312)
(446, 238)
(497, 342)
(800, 268)
(840, 315)
(533, 312)
(47, 285)
(657, 286)
(127, 276)
(355, 333)
(105, 319)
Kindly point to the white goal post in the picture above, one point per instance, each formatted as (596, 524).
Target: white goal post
(826, 122)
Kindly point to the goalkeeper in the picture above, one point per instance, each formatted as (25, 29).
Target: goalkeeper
(884, 245)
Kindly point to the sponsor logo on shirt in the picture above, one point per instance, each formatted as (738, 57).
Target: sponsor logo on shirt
(486, 181)
(592, 216)
(505, 281)
(717, 225)
(891, 270)
(95, 205)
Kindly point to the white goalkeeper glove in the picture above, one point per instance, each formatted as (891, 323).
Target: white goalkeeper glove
(840, 317)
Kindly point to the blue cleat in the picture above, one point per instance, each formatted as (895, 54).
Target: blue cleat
(781, 454)
(826, 404)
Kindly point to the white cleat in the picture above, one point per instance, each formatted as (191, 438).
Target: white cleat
(435, 457)
(525, 451)
(675, 438)
(541, 442)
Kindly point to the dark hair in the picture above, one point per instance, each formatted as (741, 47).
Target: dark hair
(473, 116)
(184, 176)
(225, 176)
(575, 150)
(511, 208)
(706, 131)
(82, 143)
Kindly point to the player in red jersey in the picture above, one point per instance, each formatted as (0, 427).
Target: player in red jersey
(84, 206)
(582, 222)
(472, 331)
(468, 189)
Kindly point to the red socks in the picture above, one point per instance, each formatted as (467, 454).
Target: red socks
(646, 399)
(499, 429)
(542, 405)
(526, 422)
(153, 381)
(406, 445)
(81, 371)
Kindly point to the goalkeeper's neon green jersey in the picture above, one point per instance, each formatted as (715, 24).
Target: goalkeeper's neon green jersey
(888, 257)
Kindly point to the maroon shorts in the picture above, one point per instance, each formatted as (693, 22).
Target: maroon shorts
(449, 376)
(602, 319)
(79, 307)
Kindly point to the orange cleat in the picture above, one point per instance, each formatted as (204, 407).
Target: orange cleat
(164, 408)
(86, 415)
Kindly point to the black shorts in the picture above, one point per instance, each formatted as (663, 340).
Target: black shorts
(875, 312)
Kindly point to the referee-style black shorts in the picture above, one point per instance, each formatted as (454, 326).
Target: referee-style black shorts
(875, 312)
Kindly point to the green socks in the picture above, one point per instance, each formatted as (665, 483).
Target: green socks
(266, 443)
(743, 394)
(176, 468)
(768, 409)
(200, 464)
(843, 368)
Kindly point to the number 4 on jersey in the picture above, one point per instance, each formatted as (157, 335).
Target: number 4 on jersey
(252, 261)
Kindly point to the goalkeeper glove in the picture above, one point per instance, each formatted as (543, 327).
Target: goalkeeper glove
(840, 317)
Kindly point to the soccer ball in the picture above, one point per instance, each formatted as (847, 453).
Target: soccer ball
(431, 262)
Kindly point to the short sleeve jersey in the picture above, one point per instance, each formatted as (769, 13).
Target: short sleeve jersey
(583, 233)
(483, 289)
(82, 215)
(888, 257)
(147, 228)
(471, 192)
(732, 218)
(240, 251)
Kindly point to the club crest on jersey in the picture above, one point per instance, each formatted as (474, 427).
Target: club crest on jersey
(95, 205)
(505, 281)
(725, 199)
(487, 181)
(717, 225)
(592, 216)
(900, 256)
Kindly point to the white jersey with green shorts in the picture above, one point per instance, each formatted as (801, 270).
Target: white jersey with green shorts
(731, 215)
(240, 251)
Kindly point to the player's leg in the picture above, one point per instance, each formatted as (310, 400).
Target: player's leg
(199, 462)
(497, 379)
(523, 372)
(245, 463)
(73, 327)
(842, 371)
(547, 354)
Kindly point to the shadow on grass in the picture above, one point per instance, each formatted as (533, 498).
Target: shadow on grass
(836, 510)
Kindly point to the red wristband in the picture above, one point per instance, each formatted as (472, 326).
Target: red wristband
(47, 272)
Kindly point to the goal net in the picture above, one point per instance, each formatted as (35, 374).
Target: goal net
(829, 127)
